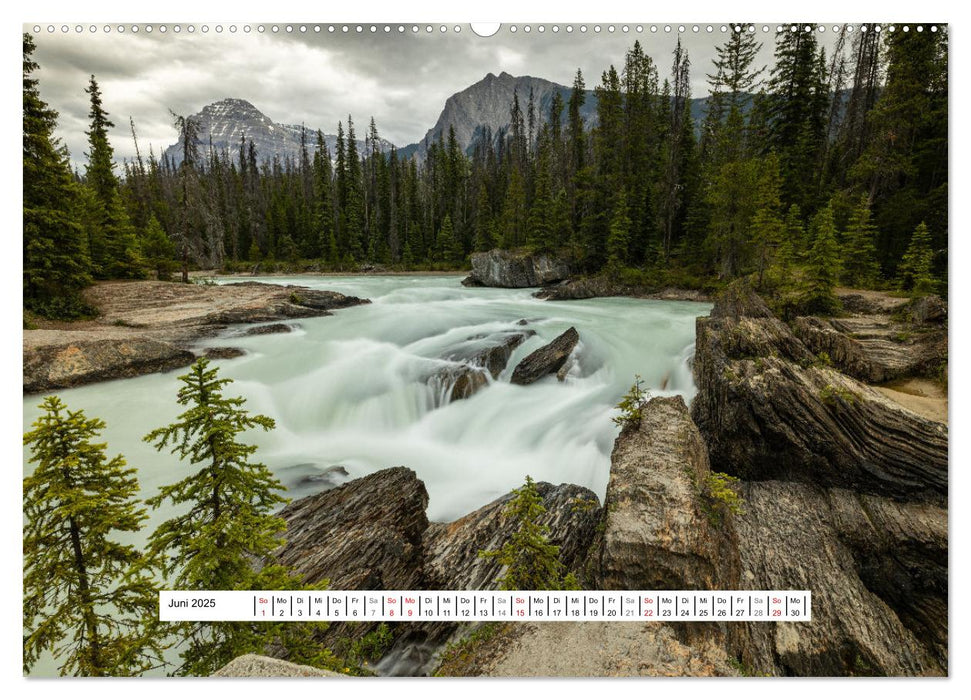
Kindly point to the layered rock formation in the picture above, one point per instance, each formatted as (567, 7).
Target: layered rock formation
(768, 410)
(504, 268)
(846, 496)
(843, 493)
(372, 534)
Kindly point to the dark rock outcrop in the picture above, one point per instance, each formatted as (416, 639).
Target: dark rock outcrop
(924, 310)
(503, 268)
(267, 329)
(223, 353)
(607, 286)
(547, 360)
(366, 534)
(477, 357)
(841, 546)
(767, 412)
(86, 361)
(284, 302)
(660, 531)
(372, 533)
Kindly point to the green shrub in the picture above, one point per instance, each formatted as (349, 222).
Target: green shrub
(721, 495)
(632, 405)
(833, 395)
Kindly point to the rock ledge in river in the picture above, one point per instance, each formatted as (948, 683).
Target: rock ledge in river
(547, 360)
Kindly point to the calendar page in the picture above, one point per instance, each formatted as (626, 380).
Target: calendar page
(547, 349)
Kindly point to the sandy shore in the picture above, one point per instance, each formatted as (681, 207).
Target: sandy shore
(922, 396)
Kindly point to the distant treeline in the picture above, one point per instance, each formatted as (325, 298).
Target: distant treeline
(818, 170)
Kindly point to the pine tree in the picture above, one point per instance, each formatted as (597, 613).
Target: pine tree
(483, 222)
(860, 266)
(56, 263)
(227, 525)
(89, 599)
(158, 249)
(514, 212)
(767, 228)
(539, 230)
(118, 254)
(530, 562)
(914, 273)
(823, 265)
(732, 198)
(618, 239)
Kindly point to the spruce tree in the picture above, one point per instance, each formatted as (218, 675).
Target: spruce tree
(514, 212)
(354, 213)
(732, 199)
(914, 273)
(227, 524)
(823, 265)
(323, 202)
(89, 599)
(530, 562)
(56, 262)
(860, 266)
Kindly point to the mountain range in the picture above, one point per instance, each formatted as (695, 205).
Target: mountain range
(480, 108)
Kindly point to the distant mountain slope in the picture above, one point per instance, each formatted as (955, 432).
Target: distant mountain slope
(486, 104)
(228, 120)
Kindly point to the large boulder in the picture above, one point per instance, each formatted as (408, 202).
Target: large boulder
(767, 410)
(547, 360)
(256, 666)
(661, 531)
(504, 268)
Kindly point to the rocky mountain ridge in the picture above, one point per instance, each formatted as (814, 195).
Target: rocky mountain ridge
(226, 122)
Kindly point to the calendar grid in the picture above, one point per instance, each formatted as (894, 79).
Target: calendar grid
(468, 606)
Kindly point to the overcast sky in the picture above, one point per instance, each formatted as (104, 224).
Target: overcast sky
(402, 80)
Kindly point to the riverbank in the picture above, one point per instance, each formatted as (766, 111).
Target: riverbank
(146, 326)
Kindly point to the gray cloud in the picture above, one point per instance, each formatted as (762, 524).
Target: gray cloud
(402, 80)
